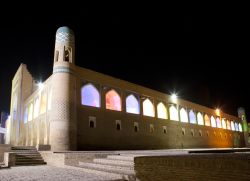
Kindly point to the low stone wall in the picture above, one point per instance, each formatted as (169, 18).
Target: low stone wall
(51, 158)
(73, 159)
(232, 166)
(4, 148)
(9, 159)
(69, 158)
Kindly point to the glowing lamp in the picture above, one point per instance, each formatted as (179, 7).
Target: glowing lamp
(40, 85)
(217, 111)
(174, 98)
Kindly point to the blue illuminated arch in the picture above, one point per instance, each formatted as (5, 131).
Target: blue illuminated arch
(132, 105)
(90, 96)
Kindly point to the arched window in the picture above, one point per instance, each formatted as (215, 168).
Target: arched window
(67, 54)
(56, 56)
(90, 96)
(43, 103)
(224, 125)
(173, 113)
(232, 126)
(148, 108)
(36, 107)
(207, 120)
(183, 115)
(240, 127)
(25, 116)
(30, 112)
(161, 111)
(213, 122)
(228, 125)
(200, 119)
(132, 105)
(113, 101)
(236, 126)
(192, 117)
(218, 122)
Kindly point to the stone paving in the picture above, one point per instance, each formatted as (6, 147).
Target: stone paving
(49, 173)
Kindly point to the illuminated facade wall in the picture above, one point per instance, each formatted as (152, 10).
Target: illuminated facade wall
(25, 119)
(113, 101)
(161, 111)
(50, 100)
(132, 105)
(43, 104)
(30, 112)
(148, 108)
(36, 108)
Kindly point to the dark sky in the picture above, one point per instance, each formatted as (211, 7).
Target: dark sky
(153, 48)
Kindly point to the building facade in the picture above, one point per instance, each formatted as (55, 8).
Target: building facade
(79, 109)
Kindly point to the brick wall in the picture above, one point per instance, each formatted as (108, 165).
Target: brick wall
(200, 167)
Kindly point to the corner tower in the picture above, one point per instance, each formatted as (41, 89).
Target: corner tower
(242, 116)
(63, 113)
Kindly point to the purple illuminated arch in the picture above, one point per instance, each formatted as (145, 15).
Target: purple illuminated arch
(192, 117)
(132, 105)
(90, 96)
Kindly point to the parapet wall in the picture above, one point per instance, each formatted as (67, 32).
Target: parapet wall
(4, 148)
(229, 166)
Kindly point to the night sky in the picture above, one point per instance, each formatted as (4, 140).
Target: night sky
(152, 48)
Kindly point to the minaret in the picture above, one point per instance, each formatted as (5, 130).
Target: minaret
(63, 112)
(242, 116)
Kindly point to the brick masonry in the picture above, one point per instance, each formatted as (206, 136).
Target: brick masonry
(216, 167)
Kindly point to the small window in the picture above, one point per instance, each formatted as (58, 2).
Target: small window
(207, 134)
(56, 55)
(151, 128)
(220, 135)
(164, 129)
(91, 124)
(200, 133)
(225, 135)
(192, 132)
(214, 133)
(183, 131)
(118, 125)
(136, 127)
(92, 121)
(67, 54)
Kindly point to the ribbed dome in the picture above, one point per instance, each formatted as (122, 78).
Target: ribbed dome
(64, 29)
(64, 34)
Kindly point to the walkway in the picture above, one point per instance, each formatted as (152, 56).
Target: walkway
(48, 173)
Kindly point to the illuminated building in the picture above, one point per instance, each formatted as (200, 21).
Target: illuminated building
(78, 109)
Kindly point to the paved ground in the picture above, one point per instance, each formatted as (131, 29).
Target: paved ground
(48, 173)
